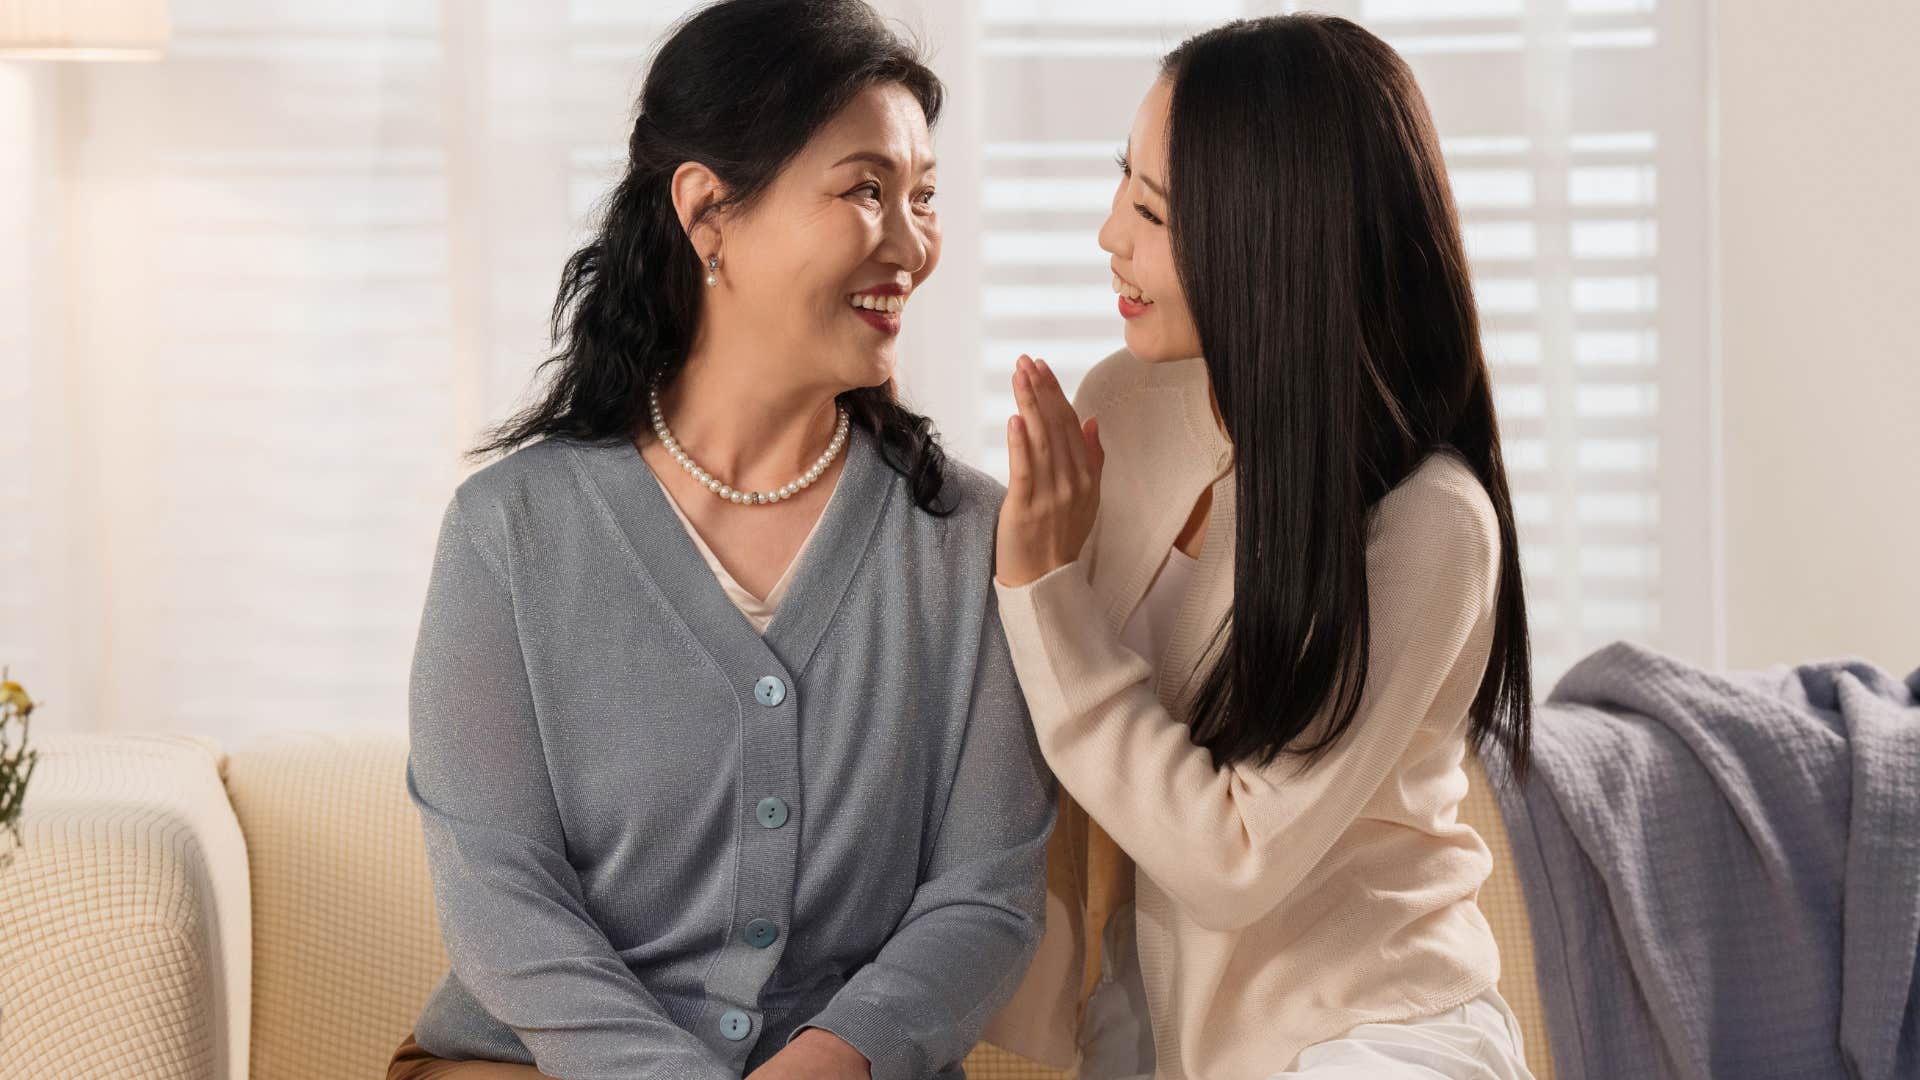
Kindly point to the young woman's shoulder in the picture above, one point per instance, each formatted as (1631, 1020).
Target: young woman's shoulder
(1442, 517)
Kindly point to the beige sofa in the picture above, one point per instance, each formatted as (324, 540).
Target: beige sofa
(183, 911)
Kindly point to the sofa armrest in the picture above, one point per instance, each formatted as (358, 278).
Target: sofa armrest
(126, 944)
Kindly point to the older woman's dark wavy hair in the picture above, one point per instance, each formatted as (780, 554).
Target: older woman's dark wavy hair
(739, 86)
(1319, 248)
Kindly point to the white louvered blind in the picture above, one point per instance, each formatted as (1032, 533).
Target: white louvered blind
(266, 217)
(310, 256)
(1575, 134)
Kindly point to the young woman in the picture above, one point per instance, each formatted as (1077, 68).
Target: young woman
(714, 732)
(1264, 599)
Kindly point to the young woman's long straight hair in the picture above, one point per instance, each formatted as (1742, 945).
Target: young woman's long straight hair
(1319, 248)
(739, 86)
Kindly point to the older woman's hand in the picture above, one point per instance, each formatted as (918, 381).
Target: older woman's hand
(1053, 479)
(815, 1054)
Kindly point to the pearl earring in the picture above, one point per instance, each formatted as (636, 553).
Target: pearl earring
(713, 270)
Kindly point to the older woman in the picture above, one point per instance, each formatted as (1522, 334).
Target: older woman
(715, 735)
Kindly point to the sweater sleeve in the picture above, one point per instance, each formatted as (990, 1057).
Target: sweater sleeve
(1230, 844)
(975, 920)
(510, 904)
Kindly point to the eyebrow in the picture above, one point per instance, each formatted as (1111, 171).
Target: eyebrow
(872, 158)
(1152, 185)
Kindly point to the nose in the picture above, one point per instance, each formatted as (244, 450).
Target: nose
(1113, 232)
(902, 241)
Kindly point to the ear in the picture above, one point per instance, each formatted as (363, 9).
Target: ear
(694, 188)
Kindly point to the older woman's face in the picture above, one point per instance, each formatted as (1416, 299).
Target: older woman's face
(847, 227)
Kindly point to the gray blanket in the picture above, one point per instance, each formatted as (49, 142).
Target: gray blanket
(1723, 871)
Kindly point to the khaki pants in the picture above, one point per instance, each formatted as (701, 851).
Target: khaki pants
(410, 1062)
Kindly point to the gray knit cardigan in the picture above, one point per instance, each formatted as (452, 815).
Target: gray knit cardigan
(661, 844)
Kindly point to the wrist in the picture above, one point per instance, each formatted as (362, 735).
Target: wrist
(830, 1047)
(1018, 580)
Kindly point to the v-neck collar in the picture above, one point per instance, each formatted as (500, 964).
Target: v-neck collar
(1167, 406)
(666, 555)
(729, 584)
(1169, 412)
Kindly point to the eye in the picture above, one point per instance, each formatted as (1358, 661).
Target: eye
(1146, 213)
(1120, 159)
(925, 198)
(872, 188)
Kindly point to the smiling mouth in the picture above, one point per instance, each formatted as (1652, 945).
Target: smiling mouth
(1130, 291)
(884, 305)
(878, 311)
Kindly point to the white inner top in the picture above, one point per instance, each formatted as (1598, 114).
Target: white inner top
(759, 611)
(1150, 626)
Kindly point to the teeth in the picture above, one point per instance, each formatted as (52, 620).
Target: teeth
(892, 305)
(1127, 290)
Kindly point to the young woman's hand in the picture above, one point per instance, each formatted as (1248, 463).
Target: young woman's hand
(1053, 479)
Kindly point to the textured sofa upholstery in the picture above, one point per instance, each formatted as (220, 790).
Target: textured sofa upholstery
(182, 912)
(125, 925)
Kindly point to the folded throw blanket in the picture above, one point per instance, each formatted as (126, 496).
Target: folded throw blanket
(1723, 871)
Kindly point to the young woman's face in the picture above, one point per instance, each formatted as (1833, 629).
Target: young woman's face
(1159, 326)
(847, 227)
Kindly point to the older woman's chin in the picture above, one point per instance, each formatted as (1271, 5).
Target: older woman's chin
(878, 365)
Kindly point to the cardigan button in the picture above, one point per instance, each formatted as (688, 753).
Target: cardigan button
(761, 933)
(770, 691)
(772, 812)
(735, 1025)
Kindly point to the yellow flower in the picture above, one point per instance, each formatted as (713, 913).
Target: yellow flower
(14, 696)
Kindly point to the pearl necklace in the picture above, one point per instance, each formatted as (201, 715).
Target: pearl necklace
(746, 498)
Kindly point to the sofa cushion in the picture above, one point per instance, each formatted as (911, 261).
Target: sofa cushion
(346, 944)
(1505, 908)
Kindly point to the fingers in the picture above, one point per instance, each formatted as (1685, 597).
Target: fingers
(1059, 459)
(1057, 466)
(1066, 425)
(1019, 464)
(1038, 433)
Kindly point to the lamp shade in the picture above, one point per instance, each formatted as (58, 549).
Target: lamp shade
(83, 29)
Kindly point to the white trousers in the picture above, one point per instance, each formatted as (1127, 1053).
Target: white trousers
(1478, 1040)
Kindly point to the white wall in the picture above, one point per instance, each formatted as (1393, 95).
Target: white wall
(1819, 263)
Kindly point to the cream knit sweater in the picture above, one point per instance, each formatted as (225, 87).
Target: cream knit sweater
(1276, 908)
